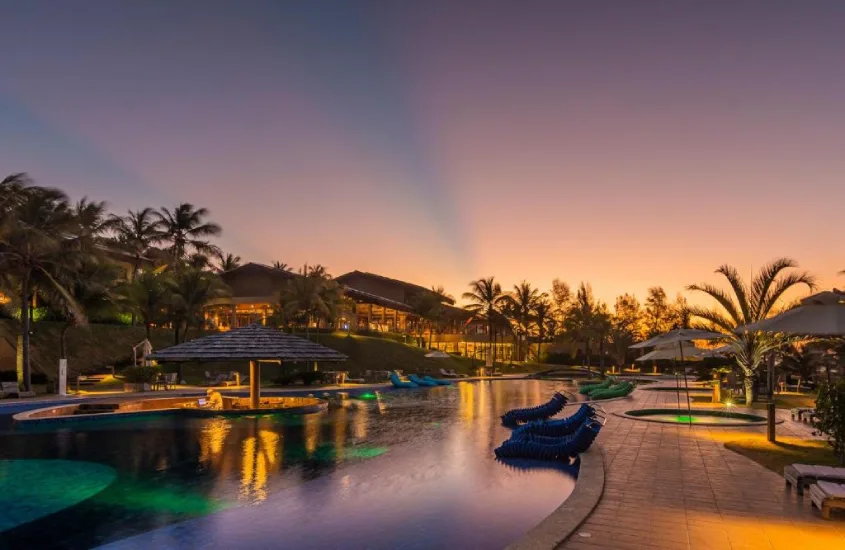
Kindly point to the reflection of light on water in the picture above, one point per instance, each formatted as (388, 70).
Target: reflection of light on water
(260, 458)
(340, 431)
(311, 426)
(467, 403)
(212, 438)
(361, 422)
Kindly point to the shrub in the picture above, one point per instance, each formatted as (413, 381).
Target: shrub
(830, 416)
(140, 375)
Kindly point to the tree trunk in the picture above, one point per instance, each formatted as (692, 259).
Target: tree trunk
(62, 347)
(749, 388)
(175, 333)
(430, 331)
(588, 354)
(25, 327)
(147, 330)
(601, 358)
(539, 348)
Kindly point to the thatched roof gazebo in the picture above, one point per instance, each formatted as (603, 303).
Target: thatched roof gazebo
(253, 343)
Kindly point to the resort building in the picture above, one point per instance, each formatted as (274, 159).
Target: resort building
(381, 304)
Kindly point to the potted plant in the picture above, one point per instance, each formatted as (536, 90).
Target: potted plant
(139, 378)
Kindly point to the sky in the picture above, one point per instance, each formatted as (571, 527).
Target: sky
(627, 144)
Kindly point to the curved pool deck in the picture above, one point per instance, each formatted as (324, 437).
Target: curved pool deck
(677, 486)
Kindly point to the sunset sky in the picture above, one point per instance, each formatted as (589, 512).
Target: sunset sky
(627, 144)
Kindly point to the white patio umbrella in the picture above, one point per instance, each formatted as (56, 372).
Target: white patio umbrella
(684, 352)
(821, 315)
(679, 336)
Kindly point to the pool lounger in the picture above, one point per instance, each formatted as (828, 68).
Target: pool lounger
(420, 382)
(827, 496)
(436, 381)
(399, 383)
(587, 388)
(560, 448)
(804, 475)
(553, 406)
(559, 427)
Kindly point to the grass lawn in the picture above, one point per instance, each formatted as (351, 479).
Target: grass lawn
(791, 401)
(786, 451)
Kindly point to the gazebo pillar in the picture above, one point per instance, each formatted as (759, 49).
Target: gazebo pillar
(254, 384)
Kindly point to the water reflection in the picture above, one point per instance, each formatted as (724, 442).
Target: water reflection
(404, 460)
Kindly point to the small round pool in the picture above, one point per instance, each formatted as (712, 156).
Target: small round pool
(700, 417)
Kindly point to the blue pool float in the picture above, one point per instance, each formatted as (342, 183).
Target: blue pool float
(514, 417)
(436, 381)
(561, 448)
(398, 383)
(420, 382)
(557, 428)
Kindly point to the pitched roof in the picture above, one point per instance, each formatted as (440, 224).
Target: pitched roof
(408, 286)
(250, 343)
(368, 297)
(259, 268)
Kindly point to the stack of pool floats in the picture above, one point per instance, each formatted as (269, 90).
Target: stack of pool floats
(545, 439)
(607, 389)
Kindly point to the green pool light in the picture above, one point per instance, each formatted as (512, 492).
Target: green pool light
(369, 396)
(686, 419)
(33, 489)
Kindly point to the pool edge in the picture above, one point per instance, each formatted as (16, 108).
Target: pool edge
(558, 526)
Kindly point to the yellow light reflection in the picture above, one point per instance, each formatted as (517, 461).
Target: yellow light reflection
(311, 426)
(260, 459)
(212, 439)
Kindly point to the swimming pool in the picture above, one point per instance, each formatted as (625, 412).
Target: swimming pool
(413, 469)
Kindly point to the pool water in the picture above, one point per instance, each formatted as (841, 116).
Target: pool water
(410, 469)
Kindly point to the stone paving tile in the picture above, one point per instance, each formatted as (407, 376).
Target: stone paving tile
(678, 488)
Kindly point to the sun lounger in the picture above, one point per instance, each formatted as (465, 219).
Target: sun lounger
(514, 417)
(802, 413)
(827, 496)
(399, 383)
(557, 448)
(447, 374)
(220, 380)
(420, 382)
(436, 381)
(11, 388)
(804, 475)
(457, 375)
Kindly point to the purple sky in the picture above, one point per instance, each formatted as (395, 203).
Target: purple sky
(623, 143)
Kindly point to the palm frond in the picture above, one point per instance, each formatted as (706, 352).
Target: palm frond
(763, 281)
(722, 298)
(783, 284)
(738, 285)
(715, 320)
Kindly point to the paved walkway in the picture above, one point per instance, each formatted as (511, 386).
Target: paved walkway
(678, 487)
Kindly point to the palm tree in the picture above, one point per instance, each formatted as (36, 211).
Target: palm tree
(147, 296)
(582, 320)
(227, 262)
(191, 289)
(749, 303)
(185, 228)
(311, 297)
(486, 298)
(802, 361)
(281, 266)
(429, 306)
(34, 252)
(136, 232)
(520, 306)
(91, 286)
(543, 315)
